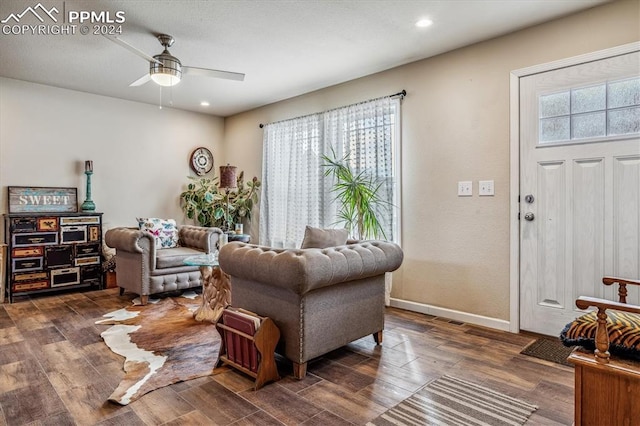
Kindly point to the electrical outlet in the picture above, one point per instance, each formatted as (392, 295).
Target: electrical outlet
(485, 188)
(465, 188)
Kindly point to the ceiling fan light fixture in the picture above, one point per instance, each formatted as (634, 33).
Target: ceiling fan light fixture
(167, 71)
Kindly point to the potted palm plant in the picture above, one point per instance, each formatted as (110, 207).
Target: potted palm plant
(357, 194)
(209, 205)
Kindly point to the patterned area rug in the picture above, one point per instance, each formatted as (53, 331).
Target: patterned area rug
(162, 344)
(550, 350)
(451, 401)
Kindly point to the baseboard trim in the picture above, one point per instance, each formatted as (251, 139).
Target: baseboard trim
(451, 314)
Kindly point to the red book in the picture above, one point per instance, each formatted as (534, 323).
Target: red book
(244, 350)
(228, 340)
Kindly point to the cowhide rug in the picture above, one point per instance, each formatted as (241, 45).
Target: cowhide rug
(162, 344)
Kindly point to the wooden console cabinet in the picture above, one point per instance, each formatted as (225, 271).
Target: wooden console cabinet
(53, 251)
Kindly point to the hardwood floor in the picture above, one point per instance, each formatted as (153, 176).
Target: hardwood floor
(56, 370)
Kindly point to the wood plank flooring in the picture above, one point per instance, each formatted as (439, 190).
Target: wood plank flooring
(55, 370)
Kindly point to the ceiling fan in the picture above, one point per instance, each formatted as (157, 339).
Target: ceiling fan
(167, 70)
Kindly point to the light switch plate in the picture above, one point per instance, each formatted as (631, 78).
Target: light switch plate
(485, 188)
(465, 188)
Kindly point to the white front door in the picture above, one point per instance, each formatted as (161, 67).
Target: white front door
(579, 187)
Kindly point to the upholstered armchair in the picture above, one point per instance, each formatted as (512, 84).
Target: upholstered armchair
(320, 299)
(144, 269)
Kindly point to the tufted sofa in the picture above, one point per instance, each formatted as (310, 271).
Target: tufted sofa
(143, 269)
(320, 299)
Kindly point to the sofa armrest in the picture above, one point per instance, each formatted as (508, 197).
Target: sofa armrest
(303, 270)
(130, 240)
(198, 237)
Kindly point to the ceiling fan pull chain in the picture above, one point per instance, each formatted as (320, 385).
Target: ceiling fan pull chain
(160, 106)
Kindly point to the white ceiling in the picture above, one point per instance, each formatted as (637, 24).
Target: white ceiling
(285, 48)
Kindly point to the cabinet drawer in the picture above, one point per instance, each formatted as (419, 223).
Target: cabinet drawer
(33, 276)
(24, 224)
(28, 286)
(35, 239)
(89, 249)
(90, 273)
(94, 233)
(62, 277)
(24, 264)
(47, 224)
(59, 256)
(89, 260)
(80, 220)
(73, 234)
(27, 252)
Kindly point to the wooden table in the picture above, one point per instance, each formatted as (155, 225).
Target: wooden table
(216, 287)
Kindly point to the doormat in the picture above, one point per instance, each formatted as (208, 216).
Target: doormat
(162, 344)
(549, 349)
(452, 401)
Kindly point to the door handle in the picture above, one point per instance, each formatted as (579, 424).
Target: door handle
(529, 216)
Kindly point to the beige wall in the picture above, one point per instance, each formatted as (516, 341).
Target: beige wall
(455, 125)
(140, 152)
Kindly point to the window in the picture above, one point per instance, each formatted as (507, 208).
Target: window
(296, 191)
(605, 110)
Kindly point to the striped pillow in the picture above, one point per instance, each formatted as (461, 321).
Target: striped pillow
(623, 327)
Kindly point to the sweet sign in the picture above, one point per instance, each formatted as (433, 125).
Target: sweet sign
(29, 199)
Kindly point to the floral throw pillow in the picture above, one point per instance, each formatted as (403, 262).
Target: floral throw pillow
(165, 231)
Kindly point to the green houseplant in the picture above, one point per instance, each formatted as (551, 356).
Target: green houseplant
(358, 197)
(209, 205)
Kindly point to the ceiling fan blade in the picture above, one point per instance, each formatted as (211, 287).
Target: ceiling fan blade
(205, 72)
(142, 80)
(131, 49)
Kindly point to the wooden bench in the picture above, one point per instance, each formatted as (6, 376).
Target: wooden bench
(607, 388)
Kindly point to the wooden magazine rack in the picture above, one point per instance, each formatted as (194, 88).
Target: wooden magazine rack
(253, 353)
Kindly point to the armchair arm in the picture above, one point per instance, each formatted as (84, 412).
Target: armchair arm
(199, 237)
(130, 240)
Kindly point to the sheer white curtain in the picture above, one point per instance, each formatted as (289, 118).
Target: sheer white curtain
(293, 192)
(367, 132)
(296, 193)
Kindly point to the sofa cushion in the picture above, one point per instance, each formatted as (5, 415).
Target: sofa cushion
(323, 238)
(175, 257)
(623, 328)
(165, 231)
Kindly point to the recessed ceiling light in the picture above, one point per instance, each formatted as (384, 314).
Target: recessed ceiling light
(204, 103)
(423, 23)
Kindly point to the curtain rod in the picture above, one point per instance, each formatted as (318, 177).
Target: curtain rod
(401, 94)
